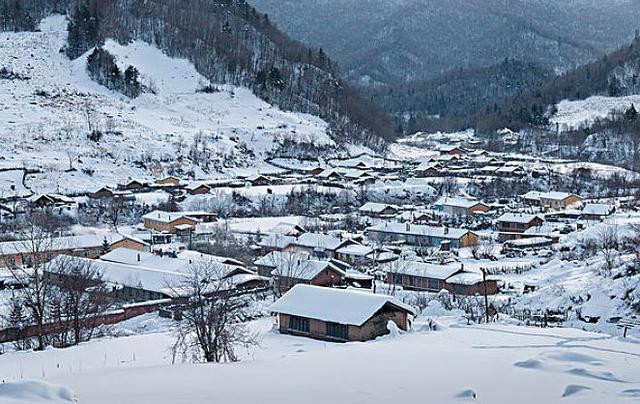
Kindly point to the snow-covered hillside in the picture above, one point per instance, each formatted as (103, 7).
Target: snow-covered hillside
(46, 112)
(572, 115)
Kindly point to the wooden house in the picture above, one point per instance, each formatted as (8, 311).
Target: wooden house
(422, 236)
(322, 246)
(512, 225)
(378, 210)
(169, 181)
(459, 206)
(24, 253)
(291, 269)
(339, 315)
(552, 200)
(427, 277)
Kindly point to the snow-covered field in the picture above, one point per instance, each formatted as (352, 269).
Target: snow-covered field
(44, 119)
(495, 364)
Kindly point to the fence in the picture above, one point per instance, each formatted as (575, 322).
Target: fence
(127, 312)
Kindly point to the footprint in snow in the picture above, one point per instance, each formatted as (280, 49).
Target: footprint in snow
(574, 357)
(606, 376)
(572, 389)
(468, 394)
(530, 364)
(632, 393)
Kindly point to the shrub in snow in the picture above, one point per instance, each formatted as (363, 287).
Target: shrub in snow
(394, 331)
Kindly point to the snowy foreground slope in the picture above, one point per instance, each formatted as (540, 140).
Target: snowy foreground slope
(497, 364)
(45, 115)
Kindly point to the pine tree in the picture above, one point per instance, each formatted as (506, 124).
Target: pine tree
(631, 114)
(132, 86)
(106, 247)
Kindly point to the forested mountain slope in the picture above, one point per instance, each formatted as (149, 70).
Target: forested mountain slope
(445, 102)
(400, 40)
(616, 74)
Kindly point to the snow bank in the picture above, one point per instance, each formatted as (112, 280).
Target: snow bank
(34, 391)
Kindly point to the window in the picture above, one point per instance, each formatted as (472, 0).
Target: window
(339, 331)
(299, 324)
(459, 290)
(432, 284)
(398, 279)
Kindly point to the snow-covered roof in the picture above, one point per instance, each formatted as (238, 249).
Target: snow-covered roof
(457, 202)
(52, 197)
(328, 304)
(286, 228)
(597, 209)
(421, 269)
(297, 267)
(427, 165)
(328, 172)
(373, 207)
(509, 169)
(169, 217)
(185, 261)
(465, 278)
(420, 230)
(198, 256)
(529, 242)
(355, 249)
(319, 240)
(274, 257)
(554, 195)
(354, 173)
(447, 149)
(64, 243)
(195, 185)
(517, 217)
(144, 259)
(276, 241)
(165, 217)
(546, 229)
(154, 280)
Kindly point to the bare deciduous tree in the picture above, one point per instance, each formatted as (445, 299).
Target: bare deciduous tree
(607, 244)
(35, 244)
(78, 297)
(212, 328)
(290, 269)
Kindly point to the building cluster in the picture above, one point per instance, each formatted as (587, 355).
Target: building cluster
(333, 284)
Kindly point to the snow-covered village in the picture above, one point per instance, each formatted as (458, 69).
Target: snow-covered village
(240, 221)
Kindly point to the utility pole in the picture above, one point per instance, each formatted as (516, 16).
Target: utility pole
(486, 298)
